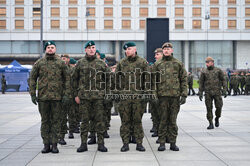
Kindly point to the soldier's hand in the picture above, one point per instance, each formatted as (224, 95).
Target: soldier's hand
(182, 100)
(200, 97)
(65, 100)
(77, 99)
(224, 93)
(34, 99)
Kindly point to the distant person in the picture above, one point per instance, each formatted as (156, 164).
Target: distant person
(190, 84)
(50, 75)
(3, 83)
(211, 81)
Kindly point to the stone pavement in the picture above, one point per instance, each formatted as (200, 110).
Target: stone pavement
(20, 141)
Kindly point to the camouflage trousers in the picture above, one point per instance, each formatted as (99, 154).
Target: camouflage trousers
(67, 114)
(92, 110)
(155, 113)
(209, 104)
(247, 89)
(131, 112)
(50, 112)
(169, 108)
(3, 89)
(190, 88)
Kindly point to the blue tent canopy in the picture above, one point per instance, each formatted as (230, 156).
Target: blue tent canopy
(16, 74)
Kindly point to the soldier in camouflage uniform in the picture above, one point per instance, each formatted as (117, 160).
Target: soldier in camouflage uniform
(53, 88)
(90, 94)
(242, 82)
(3, 83)
(190, 83)
(234, 83)
(227, 81)
(171, 92)
(131, 110)
(211, 81)
(247, 85)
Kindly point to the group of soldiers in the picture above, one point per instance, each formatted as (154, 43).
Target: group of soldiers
(85, 92)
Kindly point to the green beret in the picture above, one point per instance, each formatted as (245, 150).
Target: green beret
(89, 43)
(102, 56)
(48, 44)
(128, 44)
(97, 51)
(72, 61)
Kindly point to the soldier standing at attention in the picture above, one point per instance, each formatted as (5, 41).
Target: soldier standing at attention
(89, 96)
(242, 82)
(53, 89)
(211, 81)
(247, 85)
(131, 110)
(3, 83)
(190, 83)
(171, 92)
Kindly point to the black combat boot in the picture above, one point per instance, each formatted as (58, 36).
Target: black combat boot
(155, 134)
(217, 123)
(157, 141)
(132, 140)
(167, 140)
(173, 147)
(82, 148)
(62, 141)
(77, 130)
(54, 148)
(102, 148)
(71, 136)
(46, 148)
(125, 148)
(92, 140)
(211, 126)
(106, 135)
(161, 147)
(140, 148)
(152, 130)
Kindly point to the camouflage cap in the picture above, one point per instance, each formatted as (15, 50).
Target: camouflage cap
(72, 61)
(65, 55)
(102, 56)
(167, 44)
(89, 43)
(128, 44)
(209, 58)
(49, 43)
(158, 50)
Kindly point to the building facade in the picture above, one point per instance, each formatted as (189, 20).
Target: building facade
(198, 28)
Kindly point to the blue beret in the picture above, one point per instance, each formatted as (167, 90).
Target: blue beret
(128, 44)
(72, 61)
(89, 43)
(102, 56)
(49, 43)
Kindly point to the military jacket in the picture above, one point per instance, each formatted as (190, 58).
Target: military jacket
(190, 79)
(89, 78)
(248, 80)
(51, 76)
(173, 77)
(212, 81)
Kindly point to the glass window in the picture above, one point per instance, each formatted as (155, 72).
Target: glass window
(19, 12)
(179, 2)
(55, 24)
(5, 46)
(3, 12)
(55, 12)
(214, 2)
(231, 24)
(142, 24)
(126, 24)
(72, 24)
(196, 2)
(34, 47)
(108, 24)
(73, 12)
(231, 12)
(161, 2)
(73, 2)
(161, 12)
(91, 11)
(2, 24)
(179, 24)
(108, 12)
(247, 24)
(90, 1)
(247, 2)
(231, 1)
(247, 12)
(20, 47)
(179, 12)
(55, 2)
(143, 1)
(19, 24)
(126, 12)
(36, 12)
(19, 2)
(36, 24)
(197, 12)
(214, 12)
(126, 1)
(214, 24)
(36, 1)
(196, 24)
(108, 2)
(143, 12)
(91, 24)
(3, 2)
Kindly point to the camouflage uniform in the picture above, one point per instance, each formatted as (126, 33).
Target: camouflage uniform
(242, 83)
(190, 84)
(3, 83)
(173, 84)
(211, 81)
(131, 111)
(227, 82)
(53, 83)
(234, 83)
(247, 85)
(90, 94)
